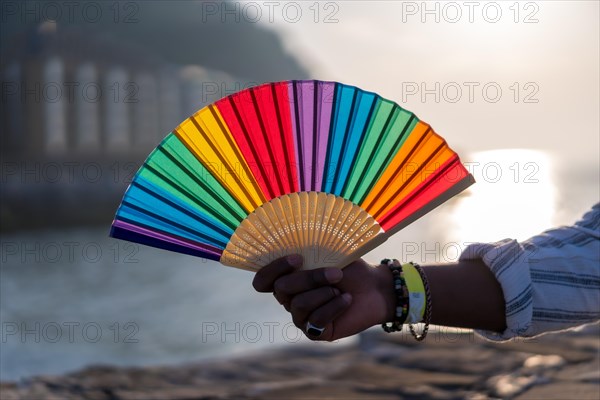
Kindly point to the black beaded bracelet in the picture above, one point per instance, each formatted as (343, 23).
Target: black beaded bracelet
(402, 296)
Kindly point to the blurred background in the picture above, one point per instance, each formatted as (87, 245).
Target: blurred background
(89, 88)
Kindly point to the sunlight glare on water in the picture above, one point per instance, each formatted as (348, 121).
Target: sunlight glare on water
(513, 197)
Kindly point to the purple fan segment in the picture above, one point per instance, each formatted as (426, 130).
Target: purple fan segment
(311, 104)
(134, 233)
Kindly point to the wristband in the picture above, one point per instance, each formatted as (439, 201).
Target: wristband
(416, 291)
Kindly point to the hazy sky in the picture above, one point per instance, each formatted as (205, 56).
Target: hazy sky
(488, 76)
(546, 66)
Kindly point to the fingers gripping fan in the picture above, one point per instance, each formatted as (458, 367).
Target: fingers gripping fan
(317, 168)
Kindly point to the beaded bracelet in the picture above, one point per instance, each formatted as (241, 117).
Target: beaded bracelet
(403, 299)
(402, 296)
(427, 314)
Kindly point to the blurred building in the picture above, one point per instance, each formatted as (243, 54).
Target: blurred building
(74, 99)
(68, 92)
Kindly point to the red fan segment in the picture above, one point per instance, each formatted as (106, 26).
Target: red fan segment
(260, 122)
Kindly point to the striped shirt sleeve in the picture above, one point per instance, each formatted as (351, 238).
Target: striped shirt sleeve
(550, 282)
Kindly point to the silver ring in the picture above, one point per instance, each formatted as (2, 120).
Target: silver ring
(313, 330)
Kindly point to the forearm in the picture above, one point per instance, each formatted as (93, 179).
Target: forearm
(467, 295)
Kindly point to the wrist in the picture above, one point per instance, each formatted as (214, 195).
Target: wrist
(385, 288)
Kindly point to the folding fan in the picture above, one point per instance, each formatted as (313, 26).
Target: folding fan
(317, 168)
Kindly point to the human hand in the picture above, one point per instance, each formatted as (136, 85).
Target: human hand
(343, 301)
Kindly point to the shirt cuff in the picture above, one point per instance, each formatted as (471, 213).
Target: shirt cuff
(508, 262)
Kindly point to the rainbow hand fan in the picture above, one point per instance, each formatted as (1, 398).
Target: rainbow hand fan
(317, 168)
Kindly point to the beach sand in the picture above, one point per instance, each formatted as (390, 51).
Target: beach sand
(447, 365)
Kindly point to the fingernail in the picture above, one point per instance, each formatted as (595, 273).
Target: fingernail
(295, 260)
(347, 297)
(333, 275)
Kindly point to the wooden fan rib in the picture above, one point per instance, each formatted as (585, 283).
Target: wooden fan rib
(296, 212)
(303, 201)
(320, 211)
(274, 210)
(238, 260)
(296, 218)
(350, 235)
(312, 217)
(251, 231)
(344, 210)
(282, 209)
(249, 238)
(341, 225)
(329, 204)
(245, 247)
(269, 219)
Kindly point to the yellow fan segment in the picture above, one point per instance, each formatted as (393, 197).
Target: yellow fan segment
(206, 135)
(324, 228)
